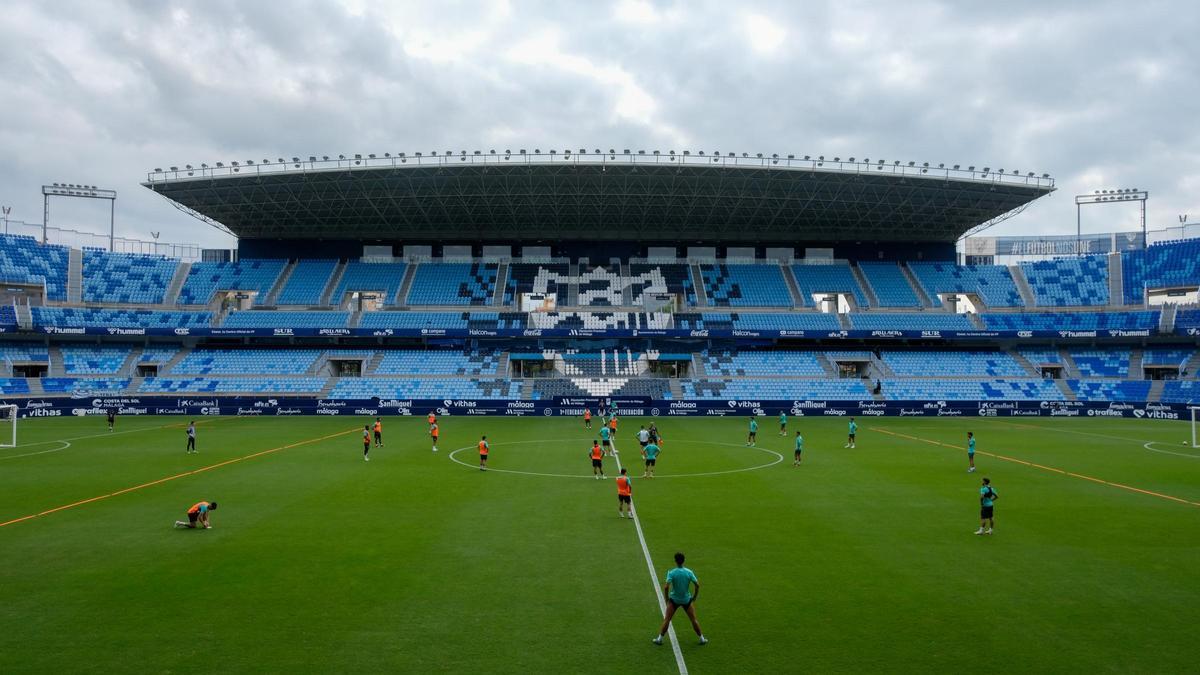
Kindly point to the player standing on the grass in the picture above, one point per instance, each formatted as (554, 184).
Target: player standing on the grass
(378, 432)
(597, 456)
(782, 423)
(678, 592)
(604, 434)
(112, 418)
(624, 495)
(587, 418)
(799, 449)
(650, 454)
(483, 452)
(853, 430)
(191, 437)
(752, 438)
(987, 501)
(433, 433)
(612, 425)
(971, 452)
(655, 437)
(643, 436)
(197, 516)
(431, 418)
(366, 443)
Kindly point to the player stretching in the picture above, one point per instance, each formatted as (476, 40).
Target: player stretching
(587, 418)
(650, 454)
(782, 423)
(483, 452)
(191, 436)
(604, 434)
(799, 449)
(433, 433)
(678, 593)
(366, 443)
(378, 432)
(853, 430)
(987, 500)
(971, 452)
(752, 438)
(597, 456)
(197, 516)
(624, 495)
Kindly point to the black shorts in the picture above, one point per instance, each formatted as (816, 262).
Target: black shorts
(798, 452)
(482, 457)
(604, 442)
(753, 434)
(624, 499)
(851, 436)
(985, 512)
(650, 462)
(680, 605)
(597, 463)
(378, 436)
(644, 443)
(193, 517)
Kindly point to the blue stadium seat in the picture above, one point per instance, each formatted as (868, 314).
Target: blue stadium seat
(918, 389)
(246, 362)
(675, 279)
(84, 386)
(204, 279)
(93, 360)
(306, 283)
(953, 363)
(1110, 390)
(1187, 322)
(283, 386)
(25, 261)
(435, 387)
(382, 278)
(890, 285)
(749, 363)
(1167, 356)
(1182, 391)
(82, 317)
(992, 283)
(535, 278)
(910, 321)
(437, 362)
(126, 277)
(1172, 264)
(774, 389)
(1068, 282)
(745, 286)
(1071, 321)
(453, 284)
(256, 318)
(1113, 362)
(835, 278)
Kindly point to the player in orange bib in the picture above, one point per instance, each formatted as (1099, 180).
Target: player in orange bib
(198, 516)
(433, 433)
(624, 495)
(597, 456)
(587, 418)
(612, 425)
(483, 453)
(432, 419)
(378, 433)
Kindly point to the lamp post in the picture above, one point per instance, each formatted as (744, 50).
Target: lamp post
(1108, 197)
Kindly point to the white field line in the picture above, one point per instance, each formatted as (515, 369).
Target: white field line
(662, 604)
(1167, 452)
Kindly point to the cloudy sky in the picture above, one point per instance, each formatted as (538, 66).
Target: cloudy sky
(1098, 94)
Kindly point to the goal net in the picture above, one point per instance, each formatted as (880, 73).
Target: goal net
(1195, 410)
(8, 426)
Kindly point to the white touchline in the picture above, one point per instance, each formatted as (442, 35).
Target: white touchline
(662, 604)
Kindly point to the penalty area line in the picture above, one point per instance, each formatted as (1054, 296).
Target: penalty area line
(166, 479)
(662, 604)
(1043, 467)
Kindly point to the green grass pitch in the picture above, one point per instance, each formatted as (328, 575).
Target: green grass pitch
(858, 561)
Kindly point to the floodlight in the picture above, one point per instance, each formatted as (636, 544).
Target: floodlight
(174, 168)
(156, 170)
(219, 165)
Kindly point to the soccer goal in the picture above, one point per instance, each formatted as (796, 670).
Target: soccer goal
(8, 425)
(1195, 409)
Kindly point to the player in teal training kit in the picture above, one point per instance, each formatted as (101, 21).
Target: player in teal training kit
(678, 592)
(752, 438)
(987, 502)
(650, 454)
(799, 449)
(971, 452)
(782, 423)
(853, 431)
(604, 440)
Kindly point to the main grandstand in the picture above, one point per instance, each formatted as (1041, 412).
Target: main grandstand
(533, 283)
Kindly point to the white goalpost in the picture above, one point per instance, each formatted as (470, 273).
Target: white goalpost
(8, 425)
(1194, 409)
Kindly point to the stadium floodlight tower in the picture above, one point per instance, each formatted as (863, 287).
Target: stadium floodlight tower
(78, 191)
(1108, 197)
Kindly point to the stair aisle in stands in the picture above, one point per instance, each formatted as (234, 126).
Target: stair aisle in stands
(798, 299)
(866, 286)
(501, 282)
(1156, 391)
(181, 275)
(1135, 364)
(334, 280)
(1116, 275)
(1022, 283)
(926, 301)
(55, 367)
(272, 296)
(698, 284)
(75, 276)
(401, 298)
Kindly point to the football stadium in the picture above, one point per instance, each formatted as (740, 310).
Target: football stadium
(414, 386)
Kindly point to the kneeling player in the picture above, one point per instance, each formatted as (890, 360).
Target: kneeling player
(197, 516)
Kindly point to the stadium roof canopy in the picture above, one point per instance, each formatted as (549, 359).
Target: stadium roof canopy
(614, 196)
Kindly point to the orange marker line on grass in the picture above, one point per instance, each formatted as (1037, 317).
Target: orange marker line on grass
(1045, 468)
(202, 469)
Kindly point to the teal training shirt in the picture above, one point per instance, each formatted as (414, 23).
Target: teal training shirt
(604, 433)
(680, 580)
(753, 425)
(799, 443)
(971, 446)
(986, 493)
(783, 418)
(651, 451)
(853, 427)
